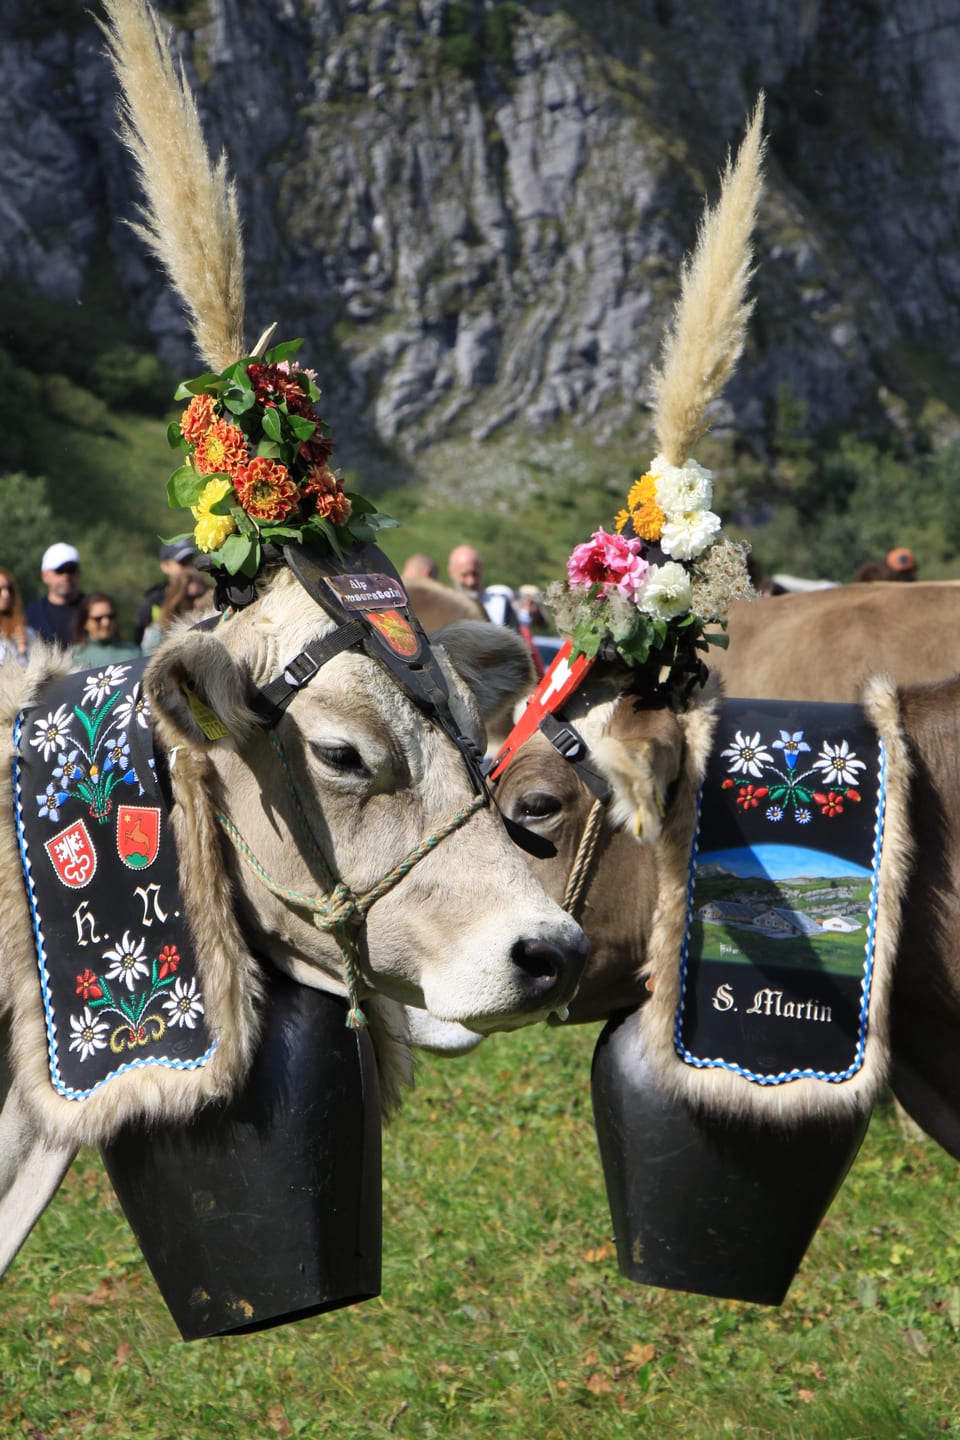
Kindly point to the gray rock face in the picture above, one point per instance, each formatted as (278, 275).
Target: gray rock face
(478, 228)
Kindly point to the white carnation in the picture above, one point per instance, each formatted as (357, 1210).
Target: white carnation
(666, 592)
(685, 536)
(682, 489)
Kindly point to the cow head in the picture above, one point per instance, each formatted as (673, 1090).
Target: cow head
(651, 759)
(352, 784)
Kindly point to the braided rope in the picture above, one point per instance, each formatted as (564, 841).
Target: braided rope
(340, 912)
(586, 850)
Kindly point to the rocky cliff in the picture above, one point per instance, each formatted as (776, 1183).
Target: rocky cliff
(475, 210)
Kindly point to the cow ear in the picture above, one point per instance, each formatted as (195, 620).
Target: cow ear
(494, 662)
(640, 754)
(197, 692)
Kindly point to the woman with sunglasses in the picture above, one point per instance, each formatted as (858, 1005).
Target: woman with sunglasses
(96, 638)
(16, 636)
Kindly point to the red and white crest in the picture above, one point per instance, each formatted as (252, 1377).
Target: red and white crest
(73, 856)
(138, 835)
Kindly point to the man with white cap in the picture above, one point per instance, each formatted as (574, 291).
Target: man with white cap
(54, 614)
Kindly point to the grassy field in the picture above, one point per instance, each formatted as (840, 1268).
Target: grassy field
(502, 1311)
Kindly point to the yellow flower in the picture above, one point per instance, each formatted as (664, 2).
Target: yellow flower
(212, 530)
(620, 519)
(642, 492)
(648, 521)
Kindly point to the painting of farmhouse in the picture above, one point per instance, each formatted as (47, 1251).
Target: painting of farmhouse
(781, 905)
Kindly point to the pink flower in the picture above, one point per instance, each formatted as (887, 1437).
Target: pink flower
(611, 562)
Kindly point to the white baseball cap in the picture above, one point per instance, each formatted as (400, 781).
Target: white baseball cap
(59, 554)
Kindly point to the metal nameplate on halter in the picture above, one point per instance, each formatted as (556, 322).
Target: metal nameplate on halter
(368, 591)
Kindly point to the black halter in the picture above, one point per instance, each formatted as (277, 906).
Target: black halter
(363, 594)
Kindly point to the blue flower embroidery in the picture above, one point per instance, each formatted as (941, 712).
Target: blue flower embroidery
(50, 802)
(791, 745)
(774, 813)
(803, 817)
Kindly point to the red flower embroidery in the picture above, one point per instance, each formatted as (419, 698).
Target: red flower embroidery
(749, 796)
(168, 960)
(853, 795)
(727, 784)
(830, 804)
(89, 986)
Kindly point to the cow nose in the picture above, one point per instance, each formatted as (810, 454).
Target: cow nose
(553, 971)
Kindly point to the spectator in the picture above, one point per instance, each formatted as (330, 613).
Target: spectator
(420, 567)
(53, 616)
(902, 564)
(96, 637)
(174, 559)
(16, 636)
(187, 593)
(465, 568)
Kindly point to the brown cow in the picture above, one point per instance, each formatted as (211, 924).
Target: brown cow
(821, 645)
(642, 753)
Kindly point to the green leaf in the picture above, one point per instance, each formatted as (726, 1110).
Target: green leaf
(283, 351)
(202, 385)
(272, 425)
(301, 426)
(185, 487)
(717, 638)
(239, 402)
(226, 504)
(270, 450)
(175, 436)
(236, 552)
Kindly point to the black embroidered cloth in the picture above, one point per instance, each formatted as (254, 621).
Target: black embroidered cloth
(778, 958)
(117, 970)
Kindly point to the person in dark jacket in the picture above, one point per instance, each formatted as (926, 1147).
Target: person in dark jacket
(53, 616)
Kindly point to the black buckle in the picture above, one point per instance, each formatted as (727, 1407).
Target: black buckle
(567, 743)
(300, 670)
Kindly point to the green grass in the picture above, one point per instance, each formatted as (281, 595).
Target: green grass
(502, 1311)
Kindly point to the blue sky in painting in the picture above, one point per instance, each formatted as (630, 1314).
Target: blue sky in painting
(783, 862)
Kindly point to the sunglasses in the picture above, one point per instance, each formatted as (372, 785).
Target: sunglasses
(70, 568)
(100, 619)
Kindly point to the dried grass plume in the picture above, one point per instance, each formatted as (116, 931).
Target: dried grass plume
(190, 219)
(707, 333)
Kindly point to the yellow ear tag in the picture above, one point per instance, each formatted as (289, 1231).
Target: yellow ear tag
(208, 720)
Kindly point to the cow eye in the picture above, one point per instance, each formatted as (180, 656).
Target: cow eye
(338, 756)
(536, 805)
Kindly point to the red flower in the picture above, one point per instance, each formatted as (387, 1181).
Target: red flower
(265, 489)
(89, 986)
(336, 507)
(727, 784)
(168, 960)
(273, 383)
(318, 449)
(222, 450)
(750, 797)
(830, 804)
(329, 501)
(853, 795)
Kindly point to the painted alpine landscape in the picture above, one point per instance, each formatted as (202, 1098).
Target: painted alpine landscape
(779, 905)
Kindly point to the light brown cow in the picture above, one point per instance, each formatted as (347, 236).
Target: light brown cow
(821, 645)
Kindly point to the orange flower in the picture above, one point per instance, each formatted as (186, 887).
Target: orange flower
(197, 418)
(222, 450)
(336, 507)
(265, 489)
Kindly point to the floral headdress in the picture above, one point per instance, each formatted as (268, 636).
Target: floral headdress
(647, 590)
(257, 470)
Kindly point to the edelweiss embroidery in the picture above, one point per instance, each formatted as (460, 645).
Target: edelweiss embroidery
(787, 790)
